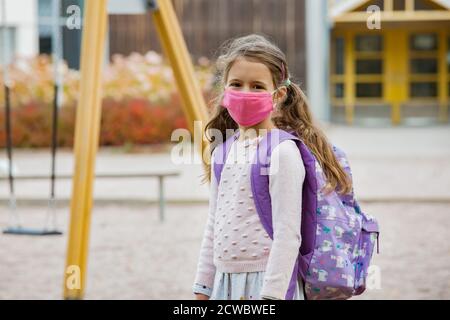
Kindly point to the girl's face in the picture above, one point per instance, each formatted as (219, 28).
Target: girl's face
(250, 76)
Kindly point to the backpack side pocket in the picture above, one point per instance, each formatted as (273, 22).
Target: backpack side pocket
(368, 240)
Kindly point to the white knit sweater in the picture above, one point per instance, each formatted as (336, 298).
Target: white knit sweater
(235, 240)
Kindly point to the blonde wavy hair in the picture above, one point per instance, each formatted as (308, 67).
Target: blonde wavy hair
(293, 113)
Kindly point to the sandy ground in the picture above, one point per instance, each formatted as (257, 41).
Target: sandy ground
(134, 256)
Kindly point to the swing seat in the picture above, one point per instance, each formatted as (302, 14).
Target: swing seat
(31, 232)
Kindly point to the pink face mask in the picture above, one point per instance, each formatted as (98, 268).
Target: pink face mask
(248, 108)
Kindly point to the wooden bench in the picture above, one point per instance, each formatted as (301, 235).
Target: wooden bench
(160, 175)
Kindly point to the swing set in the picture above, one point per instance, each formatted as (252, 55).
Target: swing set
(87, 127)
(15, 225)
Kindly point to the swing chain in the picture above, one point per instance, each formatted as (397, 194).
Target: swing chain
(14, 218)
(50, 219)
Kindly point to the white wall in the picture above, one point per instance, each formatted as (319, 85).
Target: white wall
(22, 15)
(317, 58)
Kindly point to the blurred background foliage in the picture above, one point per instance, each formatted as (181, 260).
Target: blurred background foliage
(140, 100)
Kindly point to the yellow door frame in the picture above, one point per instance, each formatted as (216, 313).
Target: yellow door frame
(396, 90)
(349, 72)
(443, 76)
(88, 122)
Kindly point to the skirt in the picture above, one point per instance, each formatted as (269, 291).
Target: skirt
(244, 286)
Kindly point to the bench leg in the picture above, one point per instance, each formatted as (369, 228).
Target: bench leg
(161, 198)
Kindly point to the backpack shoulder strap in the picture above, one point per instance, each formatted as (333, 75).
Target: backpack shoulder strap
(263, 204)
(260, 175)
(261, 192)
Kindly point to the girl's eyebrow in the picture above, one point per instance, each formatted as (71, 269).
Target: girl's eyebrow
(259, 82)
(254, 82)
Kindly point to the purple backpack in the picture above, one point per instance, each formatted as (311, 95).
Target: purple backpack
(337, 237)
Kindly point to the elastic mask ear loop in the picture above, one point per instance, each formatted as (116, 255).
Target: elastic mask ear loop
(277, 104)
(272, 93)
(286, 84)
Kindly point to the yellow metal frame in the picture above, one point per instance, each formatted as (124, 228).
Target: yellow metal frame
(85, 145)
(88, 122)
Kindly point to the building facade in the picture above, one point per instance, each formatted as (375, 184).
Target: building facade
(390, 60)
(18, 32)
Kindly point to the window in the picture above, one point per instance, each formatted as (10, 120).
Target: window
(45, 29)
(424, 65)
(339, 90)
(337, 67)
(9, 43)
(369, 66)
(372, 43)
(399, 5)
(423, 89)
(339, 55)
(423, 42)
(369, 90)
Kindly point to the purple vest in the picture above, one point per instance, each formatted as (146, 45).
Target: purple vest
(337, 238)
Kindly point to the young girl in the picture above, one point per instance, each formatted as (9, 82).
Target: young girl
(238, 259)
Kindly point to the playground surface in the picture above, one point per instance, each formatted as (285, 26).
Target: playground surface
(402, 176)
(134, 256)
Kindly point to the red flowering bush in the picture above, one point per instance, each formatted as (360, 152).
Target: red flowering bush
(136, 121)
(132, 121)
(140, 106)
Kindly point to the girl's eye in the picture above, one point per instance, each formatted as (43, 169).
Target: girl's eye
(259, 87)
(235, 84)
